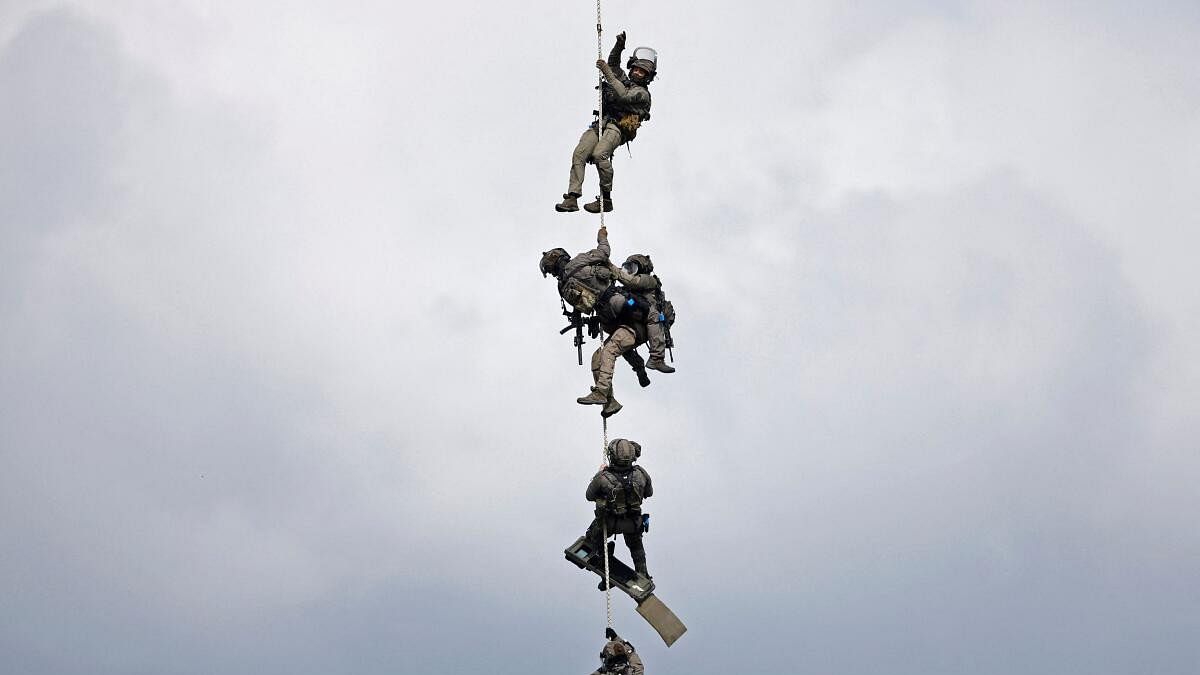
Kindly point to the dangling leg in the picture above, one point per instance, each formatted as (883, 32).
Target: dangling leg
(594, 534)
(602, 157)
(579, 158)
(603, 362)
(595, 540)
(636, 551)
(656, 340)
(638, 364)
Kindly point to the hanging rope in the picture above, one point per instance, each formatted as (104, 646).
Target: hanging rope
(600, 96)
(607, 580)
(604, 448)
(604, 527)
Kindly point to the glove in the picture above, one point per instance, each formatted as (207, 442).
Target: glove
(621, 40)
(608, 632)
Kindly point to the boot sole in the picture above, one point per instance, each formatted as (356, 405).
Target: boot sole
(562, 209)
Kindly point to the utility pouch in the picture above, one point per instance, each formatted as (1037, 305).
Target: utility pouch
(579, 295)
(667, 310)
(628, 124)
(645, 522)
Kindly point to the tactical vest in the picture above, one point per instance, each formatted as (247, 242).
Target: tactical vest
(623, 492)
(627, 116)
(614, 108)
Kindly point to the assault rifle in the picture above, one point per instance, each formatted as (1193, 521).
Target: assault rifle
(670, 341)
(578, 321)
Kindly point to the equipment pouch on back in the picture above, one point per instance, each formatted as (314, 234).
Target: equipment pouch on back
(578, 295)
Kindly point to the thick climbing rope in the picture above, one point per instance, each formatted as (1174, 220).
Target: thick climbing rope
(607, 580)
(599, 138)
(600, 96)
(604, 527)
(604, 448)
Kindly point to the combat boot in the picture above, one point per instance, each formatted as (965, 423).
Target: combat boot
(594, 207)
(597, 397)
(611, 408)
(640, 568)
(569, 203)
(643, 378)
(660, 365)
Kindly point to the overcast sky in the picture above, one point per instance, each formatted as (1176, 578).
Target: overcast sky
(281, 389)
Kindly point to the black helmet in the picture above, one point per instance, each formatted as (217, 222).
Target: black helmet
(553, 260)
(638, 263)
(623, 453)
(646, 59)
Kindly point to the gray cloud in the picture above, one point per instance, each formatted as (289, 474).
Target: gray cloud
(281, 390)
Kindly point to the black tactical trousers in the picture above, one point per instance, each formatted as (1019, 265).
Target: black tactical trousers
(630, 526)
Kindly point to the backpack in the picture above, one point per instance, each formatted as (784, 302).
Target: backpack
(583, 291)
(623, 493)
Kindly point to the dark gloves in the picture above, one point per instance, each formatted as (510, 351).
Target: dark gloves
(618, 47)
(608, 632)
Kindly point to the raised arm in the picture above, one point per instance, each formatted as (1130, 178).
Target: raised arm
(614, 57)
(602, 242)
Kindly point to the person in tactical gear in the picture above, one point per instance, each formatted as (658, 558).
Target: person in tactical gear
(586, 282)
(626, 106)
(636, 276)
(618, 490)
(583, 277)
(618, 657)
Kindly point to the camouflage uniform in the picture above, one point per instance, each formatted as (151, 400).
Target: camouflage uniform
(622, 97)
(647, 287)
(593, 269)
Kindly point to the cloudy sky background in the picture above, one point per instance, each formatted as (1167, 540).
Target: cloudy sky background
(281, 389)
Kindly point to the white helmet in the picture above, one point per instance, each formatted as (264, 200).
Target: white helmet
(646, 59)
